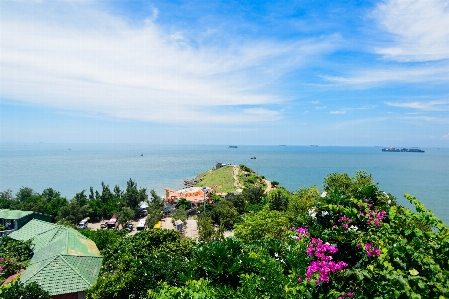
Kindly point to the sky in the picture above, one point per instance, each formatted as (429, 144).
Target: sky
(343, 73)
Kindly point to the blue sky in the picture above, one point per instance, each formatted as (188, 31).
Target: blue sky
(356, 73)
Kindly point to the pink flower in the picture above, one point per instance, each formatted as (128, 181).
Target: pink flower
(300, 279)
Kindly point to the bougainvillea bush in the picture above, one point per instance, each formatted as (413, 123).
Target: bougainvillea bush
(361, 244)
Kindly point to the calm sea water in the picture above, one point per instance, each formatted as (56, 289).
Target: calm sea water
(71, 168)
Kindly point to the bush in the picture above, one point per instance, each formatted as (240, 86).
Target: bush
(18, 290)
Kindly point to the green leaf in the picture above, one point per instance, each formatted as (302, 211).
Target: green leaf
(413, 272)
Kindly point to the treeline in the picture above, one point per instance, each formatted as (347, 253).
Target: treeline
(96, 204)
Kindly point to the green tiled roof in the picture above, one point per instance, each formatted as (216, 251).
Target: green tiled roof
(64, 260)
(41, 232)
(13, 214)
(62, 274)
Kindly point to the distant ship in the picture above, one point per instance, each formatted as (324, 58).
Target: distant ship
(408, 150)
(232, 146)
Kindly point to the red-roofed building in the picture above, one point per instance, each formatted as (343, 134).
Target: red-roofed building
(195, 195)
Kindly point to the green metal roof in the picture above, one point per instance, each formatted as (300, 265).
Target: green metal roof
(13, 214)
(64, 261)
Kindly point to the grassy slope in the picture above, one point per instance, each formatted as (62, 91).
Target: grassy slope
(222, 178)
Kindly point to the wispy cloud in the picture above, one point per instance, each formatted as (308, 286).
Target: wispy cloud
(419, 29)
(373, 76)
(80, 58)
(446, 136)
(345, 110)
(420, 120)
(424, 106)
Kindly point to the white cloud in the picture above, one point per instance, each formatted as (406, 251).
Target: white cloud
(320, 107)
(345, 110)
(420, 120)
(80, 58)
(368, 77)
(425, 106)
(446, 136)
(419, 29)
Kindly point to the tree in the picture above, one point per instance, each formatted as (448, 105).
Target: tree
(19, 290)
(183, 204)
(126, 215)
(300, 203)
(223, 213)
(253, 195)
(179, 214)
(279, 199)
(73, 212)
(344, 183)
(261, 225)
(133, 196)
(207, 230)
(6, 199)
(237, 200)
(154, 209)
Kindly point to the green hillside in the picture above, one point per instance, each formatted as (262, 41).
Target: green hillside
(222, 178)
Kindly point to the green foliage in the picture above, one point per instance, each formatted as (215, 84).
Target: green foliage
(193, 290)
(300, 203)
(14, 256)
(155, 209)
(391, 251)
(223, 213)
(261, 225)
(253, 195)
(121, 260)
(342, 182)
(20, 250)
(183, 204)
(126, 214)
(221, 261)
(17, 290)
(238, 201)
(207, 230)
(73, 212)
(172, 269)
(6, 199)
(104, 238)
(279, 198)
(133, 196)
(179, 214)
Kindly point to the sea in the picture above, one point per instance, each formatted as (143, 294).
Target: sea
(71, 168)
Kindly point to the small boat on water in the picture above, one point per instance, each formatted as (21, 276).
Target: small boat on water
(232, 146)
(408, 150)
(253, 158)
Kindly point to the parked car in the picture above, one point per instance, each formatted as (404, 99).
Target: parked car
(83, 224)
(104, 225)
(129, 227)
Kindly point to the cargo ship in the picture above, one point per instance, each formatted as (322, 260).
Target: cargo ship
(408, 150)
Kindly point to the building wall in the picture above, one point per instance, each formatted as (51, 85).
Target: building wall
(76, 295)
(24, 220)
